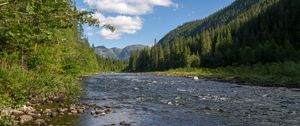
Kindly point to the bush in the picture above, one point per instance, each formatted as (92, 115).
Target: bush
(7, 121)
(14, 85)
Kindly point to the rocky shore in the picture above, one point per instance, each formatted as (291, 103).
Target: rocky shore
(36, 114)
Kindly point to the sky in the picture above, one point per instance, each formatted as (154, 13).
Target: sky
(143, 21)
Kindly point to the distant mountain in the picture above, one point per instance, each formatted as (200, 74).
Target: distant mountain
(126, 52)
(105, 52)
(117, 53)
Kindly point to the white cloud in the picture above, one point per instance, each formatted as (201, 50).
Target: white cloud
(129, 24)
(107, 34)
(130, 7)
(122, 24)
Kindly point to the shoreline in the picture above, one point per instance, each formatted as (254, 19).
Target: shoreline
(226, 79)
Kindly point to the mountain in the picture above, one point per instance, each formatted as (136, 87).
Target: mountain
(222, 17)
(105, 52)
(126, 52)
(246, 32)
(117, 53)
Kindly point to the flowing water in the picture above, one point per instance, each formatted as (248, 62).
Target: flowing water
(149, 100)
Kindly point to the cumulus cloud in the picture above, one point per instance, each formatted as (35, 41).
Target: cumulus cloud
(129, 21)
(129, 7)
(122, 24)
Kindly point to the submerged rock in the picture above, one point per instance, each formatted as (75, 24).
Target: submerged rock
(123, 123)
(93, 112)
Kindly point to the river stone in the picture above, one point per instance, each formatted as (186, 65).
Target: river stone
(47, 111)
(25, 119)
(93, 112)
(102, 114)
(80, 110)
(109, 110)
(62, 110)
(99, 111)
(33, 114)
(27, 109)
(40, 122)
(74, 111)
(53, 114)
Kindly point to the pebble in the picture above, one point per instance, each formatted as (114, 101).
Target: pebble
(74, 112)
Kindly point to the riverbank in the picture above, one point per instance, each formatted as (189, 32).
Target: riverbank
(57, 113)
(21, 87)
(285, 74)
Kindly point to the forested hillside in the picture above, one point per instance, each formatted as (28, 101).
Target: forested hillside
(42, 51)
(245, 33)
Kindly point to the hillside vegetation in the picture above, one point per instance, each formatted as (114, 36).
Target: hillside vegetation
(246, 33)
(42, 51)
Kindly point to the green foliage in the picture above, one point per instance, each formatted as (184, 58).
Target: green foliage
(245, 33)
(7, 121)
(15, 85)
(111, 65)
(42, 50)
(254, 41)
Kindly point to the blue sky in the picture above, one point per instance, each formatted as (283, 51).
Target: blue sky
(141, 21)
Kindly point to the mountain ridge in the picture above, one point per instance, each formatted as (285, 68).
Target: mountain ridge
(118, 53)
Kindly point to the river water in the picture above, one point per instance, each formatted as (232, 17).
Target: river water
(149, 100)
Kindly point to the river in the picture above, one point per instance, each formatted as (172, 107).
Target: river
(150, 100)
